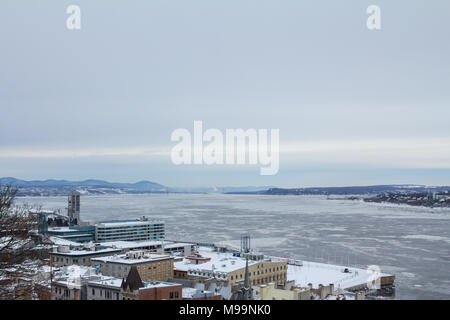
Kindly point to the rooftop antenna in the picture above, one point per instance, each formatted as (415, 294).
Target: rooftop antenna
(245, 243)
(246, 291)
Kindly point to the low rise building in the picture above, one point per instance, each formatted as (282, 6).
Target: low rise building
(271, 291)
(229, 268)
(150, 266)
(133, 288)
(67, 255)
(70, 282)
(107, 288)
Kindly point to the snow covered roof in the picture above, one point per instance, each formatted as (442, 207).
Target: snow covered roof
(158, 284)
(176, 245)
(325, 274)
(131, 244)
(128, 258)
(107, 282)
(125, 223)
(80, 253)
(63, 242)
(191, 293)
(220, 262)
(143, 244)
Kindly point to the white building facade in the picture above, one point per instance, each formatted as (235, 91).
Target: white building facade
(129, 230)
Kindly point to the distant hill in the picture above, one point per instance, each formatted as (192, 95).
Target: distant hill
(54, 187)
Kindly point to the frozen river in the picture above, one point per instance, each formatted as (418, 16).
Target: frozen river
(412, 243)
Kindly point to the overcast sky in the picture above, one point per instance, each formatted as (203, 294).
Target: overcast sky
(353, 106)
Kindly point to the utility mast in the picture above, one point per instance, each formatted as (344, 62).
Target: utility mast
(73, 210)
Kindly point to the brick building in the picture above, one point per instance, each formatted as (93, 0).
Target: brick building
(133, 288)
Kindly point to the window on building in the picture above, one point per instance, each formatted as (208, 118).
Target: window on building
(176, 294)
(171, 295)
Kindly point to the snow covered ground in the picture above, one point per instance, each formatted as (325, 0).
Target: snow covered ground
(325, 274)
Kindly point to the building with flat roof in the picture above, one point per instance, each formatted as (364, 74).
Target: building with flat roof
(71, 282)
(73, 233)
(229, 268)
(152, 245)
(270, 291)
(67, 256)
(129, 230)
(150, 266)
(198, 294)
(107, 288)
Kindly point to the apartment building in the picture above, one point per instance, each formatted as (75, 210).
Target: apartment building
(129, 230)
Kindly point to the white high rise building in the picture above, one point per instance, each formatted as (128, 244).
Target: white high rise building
(129, 230)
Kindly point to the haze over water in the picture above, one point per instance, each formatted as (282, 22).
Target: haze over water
(412, 243)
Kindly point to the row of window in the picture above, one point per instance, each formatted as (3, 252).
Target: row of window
(130, 237)
(100, 229)
(65, 293)
(257, 273)
(108, 294)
